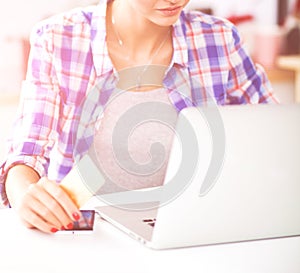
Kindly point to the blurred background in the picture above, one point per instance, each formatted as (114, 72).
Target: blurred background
(270, 29)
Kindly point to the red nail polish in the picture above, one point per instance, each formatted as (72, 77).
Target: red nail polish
(62, 228)
(70, 226)
(53, 230)
(76, 216)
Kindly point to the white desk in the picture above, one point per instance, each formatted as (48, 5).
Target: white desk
(109, 250)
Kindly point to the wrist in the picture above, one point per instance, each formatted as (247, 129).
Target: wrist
(18, 180)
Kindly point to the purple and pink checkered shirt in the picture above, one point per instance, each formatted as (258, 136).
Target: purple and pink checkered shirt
(69, 58)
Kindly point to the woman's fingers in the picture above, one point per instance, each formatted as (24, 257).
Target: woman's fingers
(47, 207)
(30, 211)
(69, 208)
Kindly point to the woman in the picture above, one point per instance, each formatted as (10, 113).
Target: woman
(77, 50)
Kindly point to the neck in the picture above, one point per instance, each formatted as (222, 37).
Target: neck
(143, 33)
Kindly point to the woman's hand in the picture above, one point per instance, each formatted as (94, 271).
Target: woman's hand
(43, 204)
(47, 207)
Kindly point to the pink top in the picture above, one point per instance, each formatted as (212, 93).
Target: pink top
(126, 134)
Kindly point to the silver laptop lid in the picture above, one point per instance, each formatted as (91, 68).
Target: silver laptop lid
(256, 190)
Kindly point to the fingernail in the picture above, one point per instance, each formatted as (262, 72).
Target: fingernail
(70, 226)
(62, 228)
(76, 216)
(53, 230)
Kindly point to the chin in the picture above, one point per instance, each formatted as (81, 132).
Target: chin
(166, 22)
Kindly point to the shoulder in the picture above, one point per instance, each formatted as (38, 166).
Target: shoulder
(195, 24)
(67, 23)
(198, 19)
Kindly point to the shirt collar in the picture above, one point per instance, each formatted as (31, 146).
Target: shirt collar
(180, 55)
(101, 58)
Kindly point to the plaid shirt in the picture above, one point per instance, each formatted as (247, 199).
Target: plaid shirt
(69, 59)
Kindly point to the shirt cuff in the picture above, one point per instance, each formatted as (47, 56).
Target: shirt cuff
(34, 162)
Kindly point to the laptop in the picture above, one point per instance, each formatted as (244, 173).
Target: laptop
(243, 183)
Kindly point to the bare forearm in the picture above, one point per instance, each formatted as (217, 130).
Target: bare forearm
(18, 180)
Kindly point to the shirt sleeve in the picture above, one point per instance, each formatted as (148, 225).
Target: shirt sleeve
(36, 126)
(247, 81)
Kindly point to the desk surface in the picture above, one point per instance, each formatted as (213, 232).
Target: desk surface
(109, 250)
(289, 62)
(292, 63)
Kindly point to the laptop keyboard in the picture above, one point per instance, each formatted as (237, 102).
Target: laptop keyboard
(150, 221)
